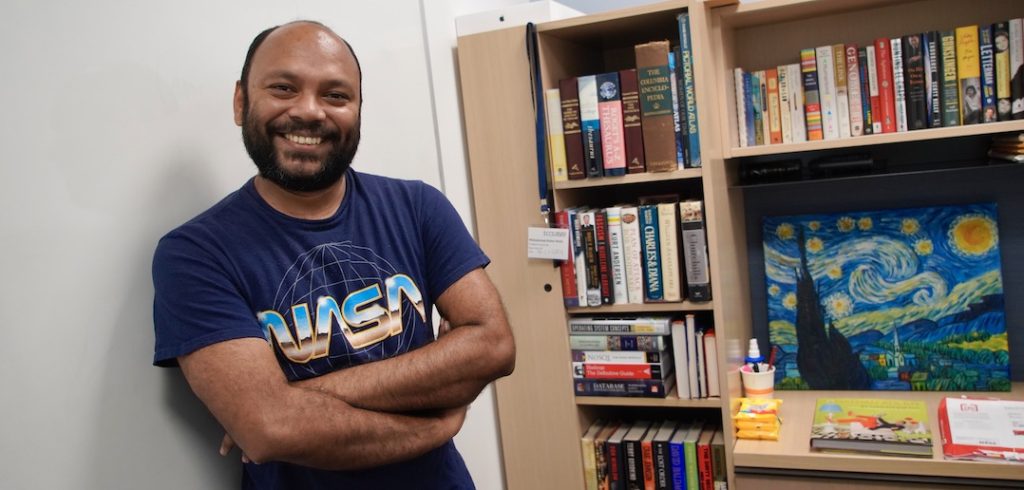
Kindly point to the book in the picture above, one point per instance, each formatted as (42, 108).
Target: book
(647, 454)
(968, 71)
(933, 78)
(695, 250)
(589, 459)
(705, 468)
(609, 109)
(702, 374)
(631, 254)
(796, 103)
(588, 232)
(678, 112)
(679, 353)
(785, 120)
(762, 90)
(1001, 43)
(886, 95)
(842, 90)
(872, 425)
(950, 93)
(899, 88)
(741, 107)
(634, 457)
(853, 90)
(986, 54)
(677, 456)
(590, 126)
(720, 471)
(556, 136)
(668, 235)
(1016, 30)
(579, 256)
(615, 249)
(690, 454)
(661, 455)
(827, 92)
(567, 269)
(874, 94)
(616, 458)
(916, 87)
(568, 90)
(618, 356)
(601, 454)
(623, 371)
(631, 125)
(643, 343)
(641, 388)
(774, 108)
(650, 247)
(982, 429)
(627, 325)
(656, 106)
(690, 325)
(693, 158)
(748, 108)
(865, 90)
(757, 108)
(711, 361)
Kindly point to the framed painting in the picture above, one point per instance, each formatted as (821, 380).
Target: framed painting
(904, 299)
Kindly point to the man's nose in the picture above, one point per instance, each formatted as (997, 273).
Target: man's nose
(307, 107)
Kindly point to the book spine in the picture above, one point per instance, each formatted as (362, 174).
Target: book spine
(634, 472)
(986, 53)
(796, 103)
(933, 79)
(899, 87)
(916, 87)
(589, 462)
(642, 388)
(691, 355)
(785, 120)
(568, 89)
(620, 328)
(827, 92)
(617, 357)
(678, 106)
(618, 266)
(853, 91)
(766, 130)
(556, 136)
(653, 290)
(705, 468)
(756, 108)
(616, 478)
(631, 372)
(968, 68)
(603, 255)
(950, 94)
(589, 232)
(679, 355)
(702, 375)
(692, 126)
(642, 343)
(695, 253)
(656, 106)
(609, 108)
(579, 257)
(886, 94)
(774, 108)
(1001, 41)
(632, 254)
(633, 132)
(1016, 29)
(874, 93)
(662, 466)
(719, 466)
(678, 462)
(865, 90)
(590, 125)
(842, 90)
(711, 361)
(692, 472)
(567, 268)
(748, 108)
(741, 108)
(647, 453)
(668, 232)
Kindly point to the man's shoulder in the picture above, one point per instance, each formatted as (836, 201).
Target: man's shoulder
(374, 181)
(215, 220)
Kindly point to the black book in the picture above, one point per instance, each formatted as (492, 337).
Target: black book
(913, 76)
(933, 75)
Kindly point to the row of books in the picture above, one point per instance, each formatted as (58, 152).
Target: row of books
(967, 75)
(630, 254)
(643, 357)
(627, 121)
(659, 455)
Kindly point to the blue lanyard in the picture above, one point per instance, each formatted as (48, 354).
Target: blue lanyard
(540, 131)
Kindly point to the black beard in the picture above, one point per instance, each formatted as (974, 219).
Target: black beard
(261, 149)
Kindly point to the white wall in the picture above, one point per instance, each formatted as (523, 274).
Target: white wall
(117, 127)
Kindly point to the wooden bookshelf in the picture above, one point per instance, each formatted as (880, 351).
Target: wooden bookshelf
(642, 308)
(681, 174)
(671, 401)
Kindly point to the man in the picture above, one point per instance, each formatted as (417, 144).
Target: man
(299, 307)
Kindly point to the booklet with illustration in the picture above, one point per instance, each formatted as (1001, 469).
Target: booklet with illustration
(872, 426)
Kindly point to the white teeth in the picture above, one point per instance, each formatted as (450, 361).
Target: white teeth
(303, 140)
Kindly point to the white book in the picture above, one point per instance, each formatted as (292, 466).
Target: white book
(741, 107)
(702, 372)
(898, 89)
(578, 260)
(876, 119)
(631, 254)
(827, 92)
(853, 89)
(618, 272)
(691, 355)
(711, 361)
(556, 136)
(668, 232)
(679, 352)
(1016, 27)
(796, 103)
(842, 90)
(785, 121)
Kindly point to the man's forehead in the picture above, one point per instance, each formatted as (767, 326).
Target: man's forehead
(302, 40)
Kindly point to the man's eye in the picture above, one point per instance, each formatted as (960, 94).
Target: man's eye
(281, 88)
(337, 96)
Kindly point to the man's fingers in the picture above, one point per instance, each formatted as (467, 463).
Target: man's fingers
(226, 444)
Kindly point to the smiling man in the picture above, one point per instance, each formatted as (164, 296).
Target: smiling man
(299, 307)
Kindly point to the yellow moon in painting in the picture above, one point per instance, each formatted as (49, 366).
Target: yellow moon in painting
(973, 234)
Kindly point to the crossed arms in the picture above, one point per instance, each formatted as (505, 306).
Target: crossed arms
(367, 415)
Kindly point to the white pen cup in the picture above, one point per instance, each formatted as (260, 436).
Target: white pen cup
(758, 384)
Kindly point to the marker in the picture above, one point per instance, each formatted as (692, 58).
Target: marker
(754, 357)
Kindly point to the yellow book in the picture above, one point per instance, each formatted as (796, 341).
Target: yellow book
(556, 137)
(968, 65)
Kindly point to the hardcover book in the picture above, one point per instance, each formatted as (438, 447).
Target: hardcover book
(950, 93)
(678, 105)
(618, 265)
(827, 92)
(693, 159)
(566, 268)
(933, 78)
(633, 132)
(741, 107)
(784, 104)
(812, 103)
(796, 103)
(968, 71)
(590, 126)
(916, 87)
(568, 90)
(655, 84)
(853, 91)
(651, 247)
(982, 429)
(865, 90)
(905, 299)
(748, 108)
(774, 107)
(874, 92)
(1001, 44)
(637, 325)
(870, 425)
(757, 107)
(643, 388)
(842, 90)
(631, 254)
(609, 108)
(695, 250)
(886, 90)
(986, 52)
(899, 87)
(1016, 29)
(556, 136)
(588, 231)
(668, 235)
(642, 343)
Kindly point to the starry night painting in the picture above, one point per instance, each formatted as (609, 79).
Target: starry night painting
(905, 299)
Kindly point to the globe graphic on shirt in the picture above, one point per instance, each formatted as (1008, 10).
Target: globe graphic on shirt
(337, 269)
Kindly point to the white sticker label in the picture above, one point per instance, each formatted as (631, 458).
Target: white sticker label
(548, 243)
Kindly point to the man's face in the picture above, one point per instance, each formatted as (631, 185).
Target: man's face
(300, 110)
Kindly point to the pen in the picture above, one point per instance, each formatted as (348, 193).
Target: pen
(754, 357)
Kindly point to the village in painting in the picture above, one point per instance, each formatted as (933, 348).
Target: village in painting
(905, 299)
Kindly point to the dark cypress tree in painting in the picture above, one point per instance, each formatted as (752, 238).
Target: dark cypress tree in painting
(824, 357)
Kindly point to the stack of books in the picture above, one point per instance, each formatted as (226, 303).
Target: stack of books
(661, 454)
(641, 119)
(626, 356)
(1008, 147)
(967, 75)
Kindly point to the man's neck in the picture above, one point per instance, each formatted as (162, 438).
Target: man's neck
(303, 205)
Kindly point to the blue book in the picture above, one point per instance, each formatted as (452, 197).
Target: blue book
(649, 242)
(590, 125)
(692, 130)
(677, 458)
(678, 107)
(988, 74)
(865, 89)
(757, 116)
(748, 108)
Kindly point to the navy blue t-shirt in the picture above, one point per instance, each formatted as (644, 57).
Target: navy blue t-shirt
(326, 294)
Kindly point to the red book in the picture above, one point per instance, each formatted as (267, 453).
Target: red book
(631, 118)
(705, 470)
(588, 370)
(568, 268)
(647, 452)
(609, 113)
(887, 98)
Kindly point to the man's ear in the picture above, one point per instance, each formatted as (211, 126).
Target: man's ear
(239, 103)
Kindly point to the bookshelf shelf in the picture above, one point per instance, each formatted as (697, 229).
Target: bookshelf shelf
(682, 174)
(642, 308)
(792, 450)
(879, 139)
(670, 401)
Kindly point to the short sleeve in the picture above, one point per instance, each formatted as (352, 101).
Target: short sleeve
(196, 302)
(450, 251)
